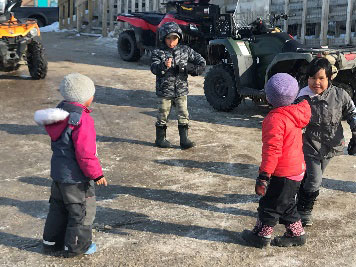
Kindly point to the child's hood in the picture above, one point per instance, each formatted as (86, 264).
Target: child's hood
(168, 28)
(299, 113)
(55, 121)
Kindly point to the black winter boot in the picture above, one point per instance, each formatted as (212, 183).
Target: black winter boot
(161, 137)
(294, 236)
(305, 205)
(260, 236)
(255, 240)
(185, 143)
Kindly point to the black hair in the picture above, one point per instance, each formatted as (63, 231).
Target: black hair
(317, 64)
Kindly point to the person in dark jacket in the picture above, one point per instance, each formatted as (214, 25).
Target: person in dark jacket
(171, 63)
(323, 137)
(75, 168)
(282, 167)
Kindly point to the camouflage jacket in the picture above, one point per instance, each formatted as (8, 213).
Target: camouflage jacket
(172, 82)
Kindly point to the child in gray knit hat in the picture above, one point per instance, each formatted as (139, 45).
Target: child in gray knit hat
(282, 167)
(75, 168)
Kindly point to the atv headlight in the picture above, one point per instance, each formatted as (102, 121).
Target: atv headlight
(2, 6)
(33, 32)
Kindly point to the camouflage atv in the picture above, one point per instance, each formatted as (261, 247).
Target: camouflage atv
(20, 42)
(256, 51)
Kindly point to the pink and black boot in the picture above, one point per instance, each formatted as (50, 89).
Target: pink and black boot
(294, 236)
(260, 236)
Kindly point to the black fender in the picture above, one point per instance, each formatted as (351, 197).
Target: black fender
(287, 61)
(138, 36)
(229, 46)
(239, 55)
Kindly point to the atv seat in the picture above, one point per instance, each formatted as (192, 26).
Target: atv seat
(151, 18)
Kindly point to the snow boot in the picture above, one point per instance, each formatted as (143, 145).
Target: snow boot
(185, 143)
(260, 236)
(161, 137)
(91, 249)
(294, 236)
(52, 247)
(305, 205)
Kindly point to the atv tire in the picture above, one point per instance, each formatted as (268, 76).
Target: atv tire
(220, 88)
(127, 46)
(36, 61)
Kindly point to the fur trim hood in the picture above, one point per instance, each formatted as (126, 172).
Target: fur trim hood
(50, 116)
(55, 120)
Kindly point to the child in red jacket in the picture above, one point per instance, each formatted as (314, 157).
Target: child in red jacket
(75, 168)
(282, 167)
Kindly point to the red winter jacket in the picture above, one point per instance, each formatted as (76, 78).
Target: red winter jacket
(282, 149)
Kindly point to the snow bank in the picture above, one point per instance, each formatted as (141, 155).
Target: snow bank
(54, 27)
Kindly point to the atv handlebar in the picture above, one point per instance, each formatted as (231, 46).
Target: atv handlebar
(7, 5)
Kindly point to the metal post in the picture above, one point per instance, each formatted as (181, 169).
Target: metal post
(286, 11)
(304, 21)
(348, 22)
(324, 23)
(133, 6)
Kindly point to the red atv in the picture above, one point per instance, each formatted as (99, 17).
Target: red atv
(200, 22)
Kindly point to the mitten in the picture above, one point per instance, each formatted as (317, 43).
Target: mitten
(195, 70)
(351, 148)
(180, 68)
(262, 183)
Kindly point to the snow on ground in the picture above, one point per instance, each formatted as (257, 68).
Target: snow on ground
(54, 27)
(106, 41)
(110, 41)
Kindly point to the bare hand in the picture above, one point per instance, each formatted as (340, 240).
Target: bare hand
(168, 62)
(102, 181)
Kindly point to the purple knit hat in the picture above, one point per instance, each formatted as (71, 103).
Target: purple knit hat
(281, 90)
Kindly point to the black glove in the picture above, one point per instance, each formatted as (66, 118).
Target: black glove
(351, 148)
(262, 183)
(180, 68)
(195, 70)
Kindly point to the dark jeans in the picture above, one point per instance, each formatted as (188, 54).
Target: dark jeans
(71, 214)
(279, 203)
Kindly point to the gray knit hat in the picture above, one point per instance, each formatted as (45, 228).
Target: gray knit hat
(76, 87)
(281, 90)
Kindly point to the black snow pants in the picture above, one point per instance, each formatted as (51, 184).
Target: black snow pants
(70, 217)
(279, 203)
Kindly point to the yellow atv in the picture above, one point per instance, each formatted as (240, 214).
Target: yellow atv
(20, 42)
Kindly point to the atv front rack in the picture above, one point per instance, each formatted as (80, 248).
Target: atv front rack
(325, 51)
